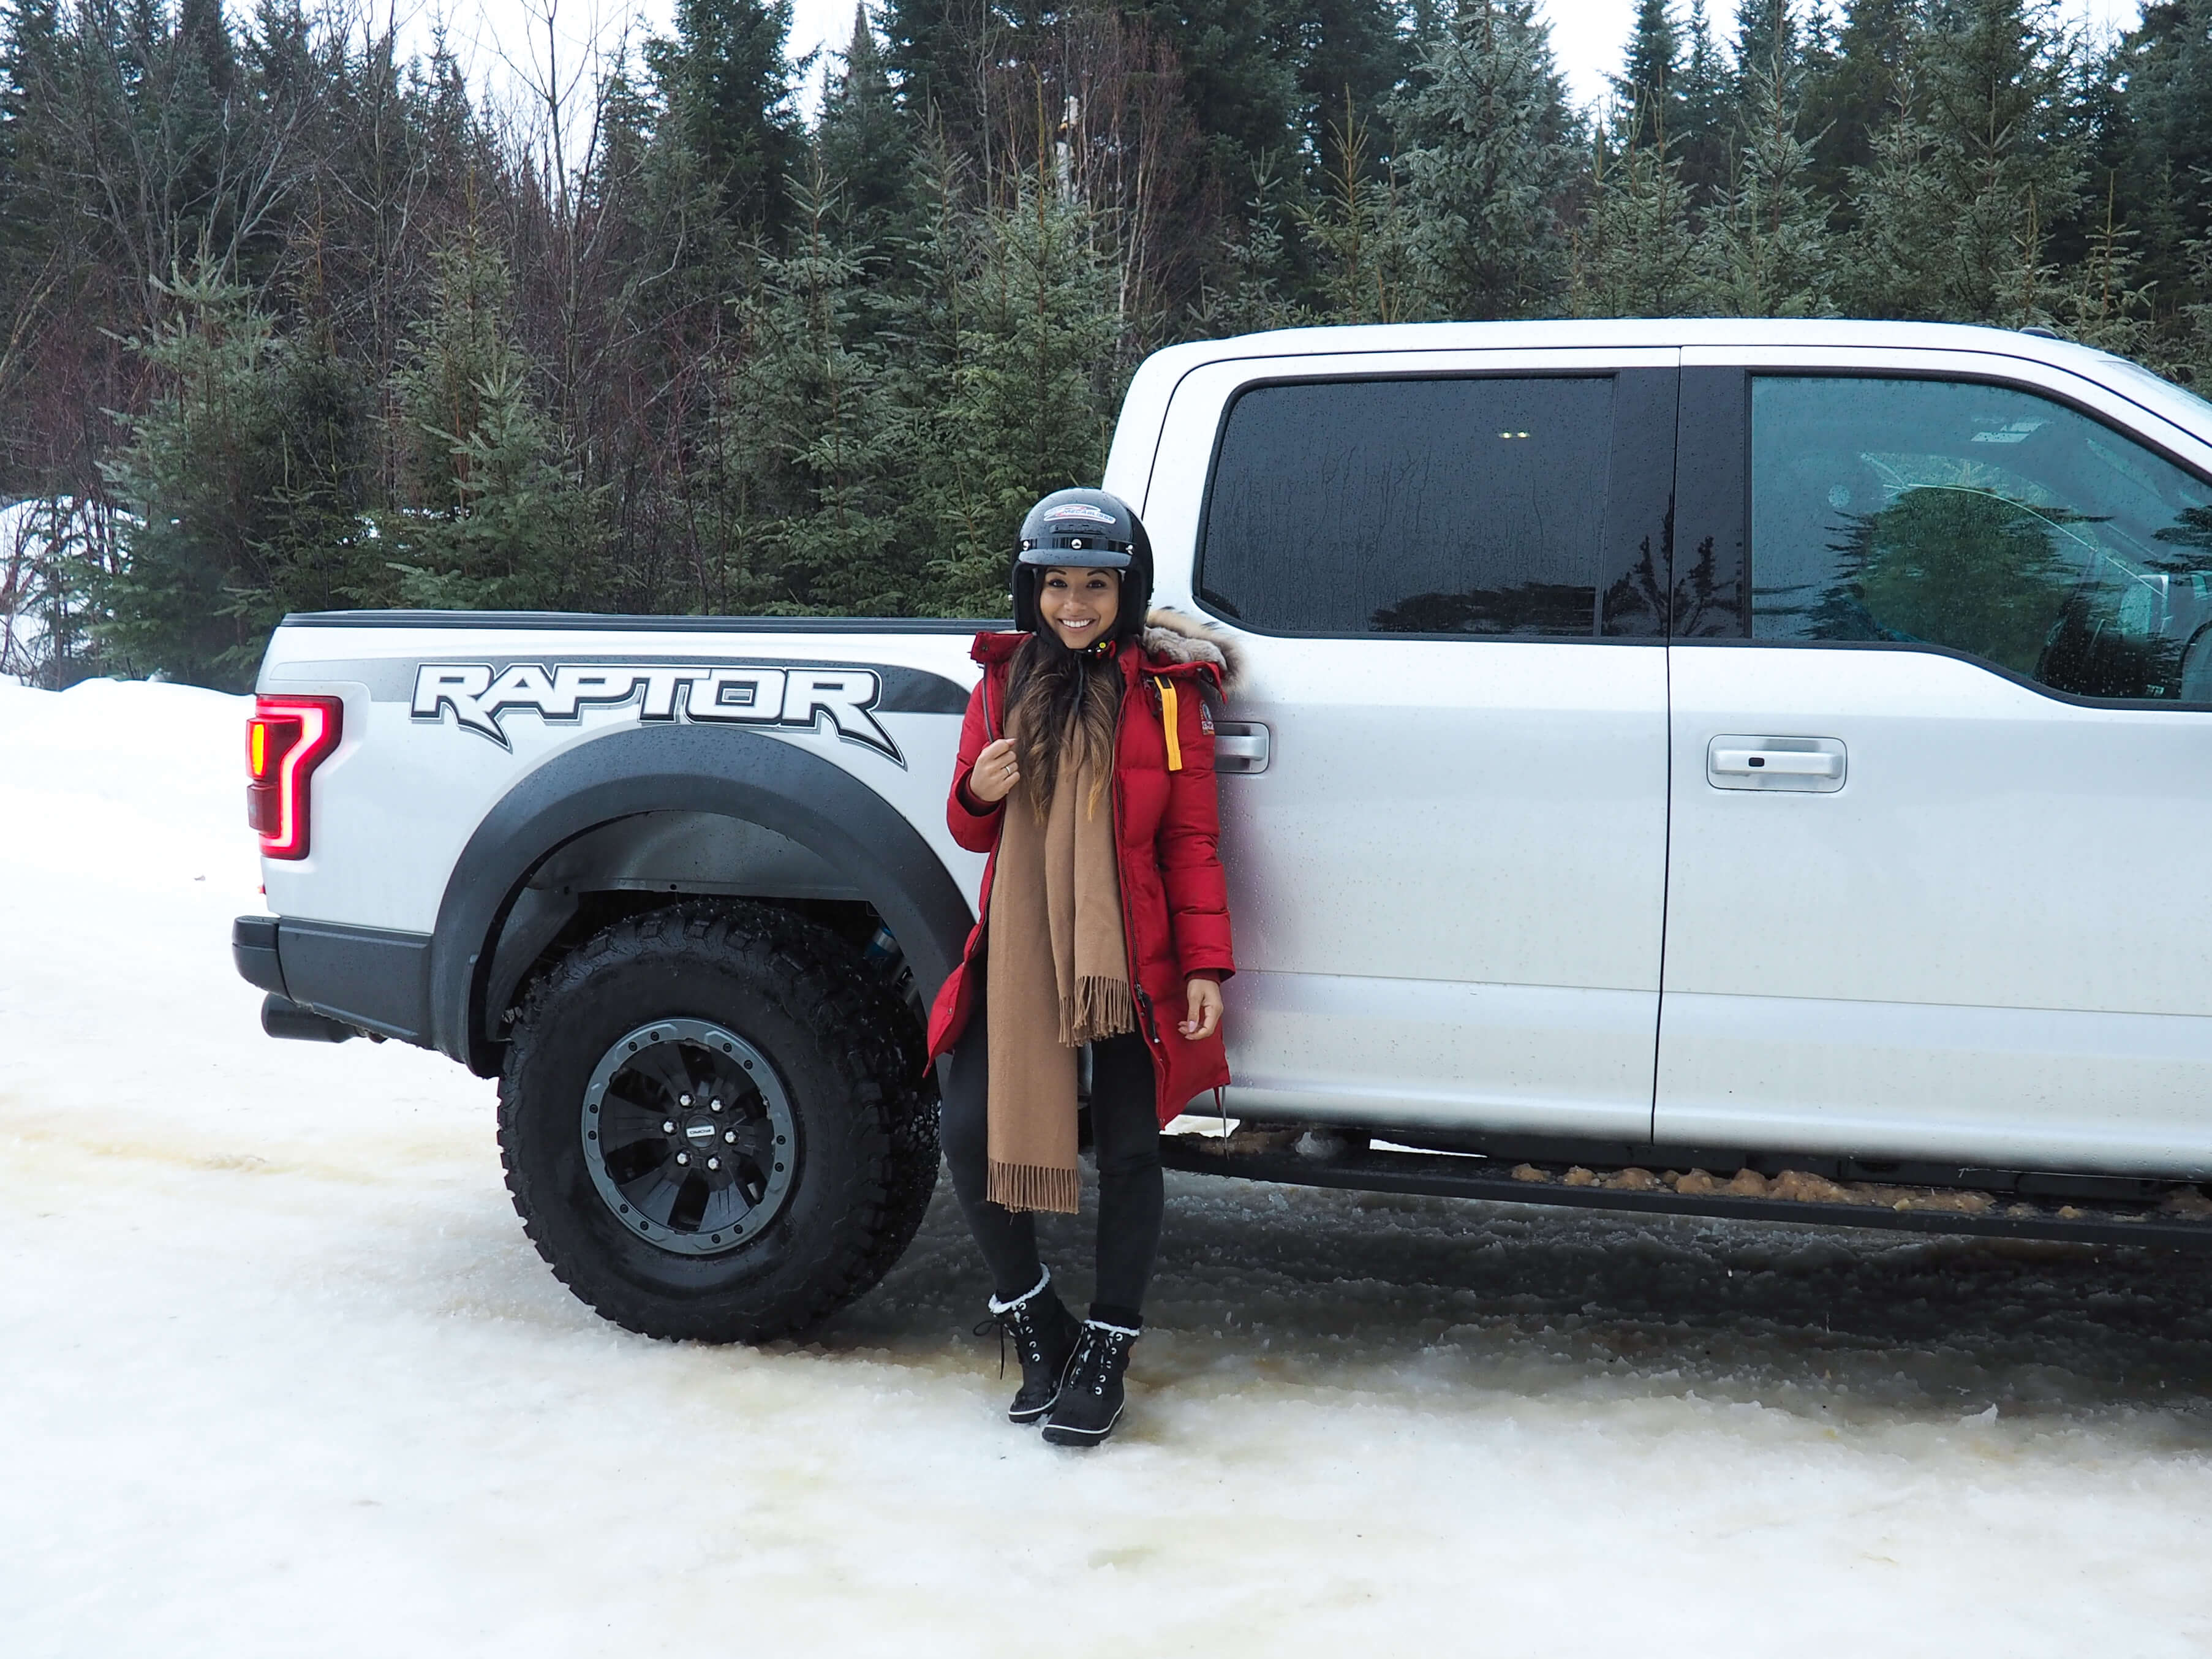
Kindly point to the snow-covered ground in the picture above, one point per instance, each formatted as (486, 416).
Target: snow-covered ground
(280, 1374)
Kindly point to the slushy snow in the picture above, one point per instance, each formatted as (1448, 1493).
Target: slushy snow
(283, 1376)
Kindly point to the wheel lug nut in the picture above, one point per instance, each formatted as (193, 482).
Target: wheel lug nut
(714, 1162)
(683, 1158)
(682, 1100)
(667, 1128)
(729, 1137)
(714, 1105)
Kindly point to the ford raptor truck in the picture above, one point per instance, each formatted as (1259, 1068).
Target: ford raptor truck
(1755, 768)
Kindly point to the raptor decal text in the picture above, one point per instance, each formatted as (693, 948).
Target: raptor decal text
(734, 694)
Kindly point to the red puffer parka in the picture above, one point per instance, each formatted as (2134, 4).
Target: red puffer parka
(1174, 902)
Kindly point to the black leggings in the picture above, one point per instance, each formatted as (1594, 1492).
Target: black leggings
(1125, 1126)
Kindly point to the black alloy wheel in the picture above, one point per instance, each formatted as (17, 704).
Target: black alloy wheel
(716, 1122)
(689, 1136)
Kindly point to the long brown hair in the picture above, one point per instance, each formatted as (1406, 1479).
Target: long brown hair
(1062, 708)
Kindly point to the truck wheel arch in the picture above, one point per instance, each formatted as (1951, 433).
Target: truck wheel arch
(743, 775)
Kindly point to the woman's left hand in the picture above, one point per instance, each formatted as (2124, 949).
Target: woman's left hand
(1205, 1009)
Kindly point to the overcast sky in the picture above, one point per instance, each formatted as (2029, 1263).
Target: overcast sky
(1588, 34)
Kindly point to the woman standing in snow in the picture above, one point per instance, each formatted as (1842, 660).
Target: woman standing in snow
(1086, 772)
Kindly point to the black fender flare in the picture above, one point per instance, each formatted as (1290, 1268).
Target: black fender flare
(735, 773)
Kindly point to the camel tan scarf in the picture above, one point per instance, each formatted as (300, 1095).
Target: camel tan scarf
(1058, 976)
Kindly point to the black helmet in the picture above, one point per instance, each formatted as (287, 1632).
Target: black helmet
(1078, 529)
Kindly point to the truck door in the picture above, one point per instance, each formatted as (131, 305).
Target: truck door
(1940, 883)
(1439, 570)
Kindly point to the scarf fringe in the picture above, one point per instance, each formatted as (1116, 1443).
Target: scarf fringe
(1033, 1187)
(1101, 1008)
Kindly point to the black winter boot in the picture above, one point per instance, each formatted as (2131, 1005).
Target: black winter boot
(1091, 1399)
(1044, 1335)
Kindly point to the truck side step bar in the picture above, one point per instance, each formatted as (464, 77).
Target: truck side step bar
(2183, 1217)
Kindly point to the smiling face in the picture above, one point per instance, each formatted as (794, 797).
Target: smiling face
(1079, 605)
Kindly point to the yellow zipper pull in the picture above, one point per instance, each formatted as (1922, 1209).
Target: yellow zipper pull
(1169, 723)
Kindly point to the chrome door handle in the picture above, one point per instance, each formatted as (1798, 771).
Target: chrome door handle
(1240, 747)
(1808, 765)
(1777, 760)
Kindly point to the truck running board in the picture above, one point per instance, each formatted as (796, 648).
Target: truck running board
(2183, 1217)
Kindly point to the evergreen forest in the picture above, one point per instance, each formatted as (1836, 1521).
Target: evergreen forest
(292, 319)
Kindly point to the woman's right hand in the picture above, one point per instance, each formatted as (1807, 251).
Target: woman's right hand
(995, 773)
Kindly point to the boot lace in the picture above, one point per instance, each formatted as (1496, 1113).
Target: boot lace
(1018, 1319)
(1100, 1352)
(1028, 1345)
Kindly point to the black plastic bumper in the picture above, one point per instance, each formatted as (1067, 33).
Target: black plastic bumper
(253, 948)
(372, 979)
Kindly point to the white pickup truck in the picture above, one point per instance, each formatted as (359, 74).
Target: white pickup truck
(1759, 768)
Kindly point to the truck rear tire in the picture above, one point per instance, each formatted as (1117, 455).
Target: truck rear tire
(716, 1123)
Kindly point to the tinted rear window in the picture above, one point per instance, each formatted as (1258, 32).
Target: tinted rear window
(1472, 506)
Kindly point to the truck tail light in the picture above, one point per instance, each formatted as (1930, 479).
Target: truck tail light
(286, 739)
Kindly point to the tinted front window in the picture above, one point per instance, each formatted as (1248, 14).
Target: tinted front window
(1987, 520)
(1410, 506)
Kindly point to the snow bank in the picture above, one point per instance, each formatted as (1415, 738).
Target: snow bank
(283, 1377)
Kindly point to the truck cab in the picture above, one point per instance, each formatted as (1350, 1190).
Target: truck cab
(1713, 733)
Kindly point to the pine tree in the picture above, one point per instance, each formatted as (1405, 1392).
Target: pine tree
(172, 87)
(816, 455)
(1358, 236)
(1647, 92)
(2188, 357)
(686, 251)
(864, 140)
(1767, 39)
(2000, 76)
(1033, 398)
(318, 540)
(933, 50)
(195, 463)
(33, 231)
(2106, 303)
(525, 534)
(1243, 64)
(1485, 146)
(1897, 262)
(30, 78)
(726, 86)
(1248, 288)
(661, 323)
(1345, 52)
(1766, 247)
(1705, 139)
(927, 330)
(1636, 253)
(2153, 101)
(1853, 92)
(201, 29)
(244, 484)
(494, 516)
(1971, 178)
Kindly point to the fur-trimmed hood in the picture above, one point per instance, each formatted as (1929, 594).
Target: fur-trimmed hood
(1176, 636)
